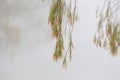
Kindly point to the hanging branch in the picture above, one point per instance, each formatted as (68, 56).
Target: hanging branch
(60, 11)
(108, 32)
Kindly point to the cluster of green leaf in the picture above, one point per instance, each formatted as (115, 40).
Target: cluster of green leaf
(108, 33)
(62, 13)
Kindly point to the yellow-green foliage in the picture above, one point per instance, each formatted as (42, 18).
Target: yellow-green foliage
(108, 33)
(60, 13)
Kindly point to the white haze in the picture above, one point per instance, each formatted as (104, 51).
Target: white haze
(26, 45)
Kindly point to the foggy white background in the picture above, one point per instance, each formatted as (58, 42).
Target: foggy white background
(26, 45)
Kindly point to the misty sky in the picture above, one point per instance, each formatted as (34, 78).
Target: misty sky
(26, 45)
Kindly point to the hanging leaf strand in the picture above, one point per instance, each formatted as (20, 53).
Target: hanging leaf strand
(61, 12)
(108, 35)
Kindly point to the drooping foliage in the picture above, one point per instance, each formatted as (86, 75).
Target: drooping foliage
(108, 32)
(61, 19)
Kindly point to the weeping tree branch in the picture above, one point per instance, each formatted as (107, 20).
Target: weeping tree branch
(61, 12)
(108, 32)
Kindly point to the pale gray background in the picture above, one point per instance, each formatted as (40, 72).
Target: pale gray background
(26, 45)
